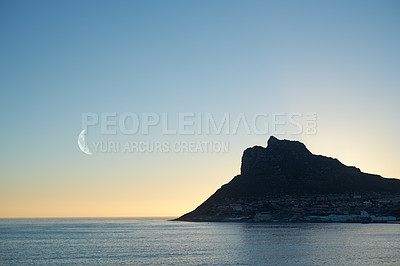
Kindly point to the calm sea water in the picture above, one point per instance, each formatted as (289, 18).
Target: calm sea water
(157, 241)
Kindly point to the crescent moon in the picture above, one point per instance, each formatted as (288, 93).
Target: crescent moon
(82, 143)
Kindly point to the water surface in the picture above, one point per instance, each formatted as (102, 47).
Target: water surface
(158, 241)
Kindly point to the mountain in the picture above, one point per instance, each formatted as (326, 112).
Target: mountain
(287, 167)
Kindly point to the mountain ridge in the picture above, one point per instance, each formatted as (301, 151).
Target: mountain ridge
(287, 167)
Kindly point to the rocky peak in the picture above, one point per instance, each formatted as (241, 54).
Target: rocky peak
(272, 140)
(276, 152)
(284, 145)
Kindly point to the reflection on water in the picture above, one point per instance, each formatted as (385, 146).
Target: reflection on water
(156, 241)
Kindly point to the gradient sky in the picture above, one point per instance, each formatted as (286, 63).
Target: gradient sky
(59, 59)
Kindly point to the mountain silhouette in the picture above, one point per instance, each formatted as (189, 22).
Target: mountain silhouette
(287, 167)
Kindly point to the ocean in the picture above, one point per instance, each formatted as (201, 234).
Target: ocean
(157, 241)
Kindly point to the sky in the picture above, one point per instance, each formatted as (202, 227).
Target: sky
(61, 60)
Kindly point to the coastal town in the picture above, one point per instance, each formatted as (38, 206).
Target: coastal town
(369, 207)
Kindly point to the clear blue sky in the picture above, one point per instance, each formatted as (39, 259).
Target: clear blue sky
(59, 59)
